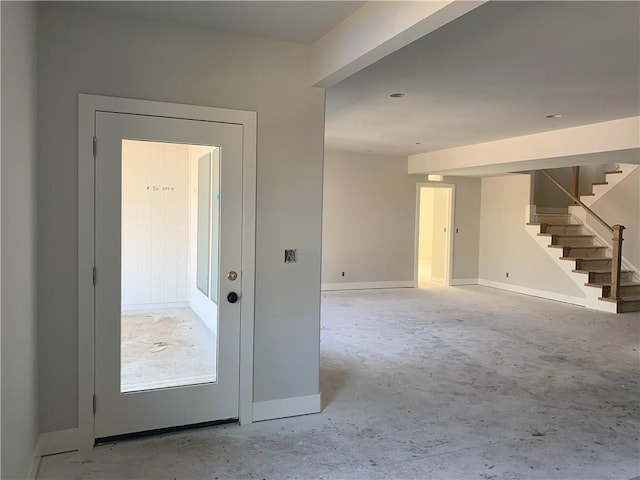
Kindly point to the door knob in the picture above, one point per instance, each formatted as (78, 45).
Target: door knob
(232, 297)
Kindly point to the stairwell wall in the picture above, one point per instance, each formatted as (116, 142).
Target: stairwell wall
(506, 247)
(621, 206)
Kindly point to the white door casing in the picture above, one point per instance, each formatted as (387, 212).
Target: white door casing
(117, 117)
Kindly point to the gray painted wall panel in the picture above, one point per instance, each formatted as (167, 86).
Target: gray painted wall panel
(83, 52)
(18, 292)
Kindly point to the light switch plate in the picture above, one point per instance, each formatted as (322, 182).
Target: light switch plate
(290, 256)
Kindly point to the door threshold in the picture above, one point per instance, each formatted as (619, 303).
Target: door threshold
(161, 431)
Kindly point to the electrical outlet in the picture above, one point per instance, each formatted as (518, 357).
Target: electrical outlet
(506, 274)
(343, 274)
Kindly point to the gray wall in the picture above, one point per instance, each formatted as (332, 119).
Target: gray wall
(80, 51)
(547, 195)
(505, 245)
(466, 226)
(369, 220)
(621, 206)
(19, 355)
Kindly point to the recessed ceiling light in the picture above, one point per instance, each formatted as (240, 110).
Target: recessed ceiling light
(555, 115)
(398, 95)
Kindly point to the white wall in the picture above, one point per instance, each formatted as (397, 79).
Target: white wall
(18, 255)
(83, 51)
(505, 245)
(368, 219)
(441, 209)
(155, 224)
(200, 303)
(425, 236)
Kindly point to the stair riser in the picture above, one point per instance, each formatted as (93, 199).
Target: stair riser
(586, 264)
(554, 219)
(572, 241)
(606, 277)
(628, 290)
(582, 252)
(561, 229)
(627, 307)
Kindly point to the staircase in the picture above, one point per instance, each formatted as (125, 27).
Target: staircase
(591, 258)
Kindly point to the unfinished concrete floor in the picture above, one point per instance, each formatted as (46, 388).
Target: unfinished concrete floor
(440, 383)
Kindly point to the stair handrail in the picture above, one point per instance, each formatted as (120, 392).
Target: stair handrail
(616, 232)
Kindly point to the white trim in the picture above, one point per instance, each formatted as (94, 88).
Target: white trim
(87, 106)
(34, 467)
(558, 297)
(59, 441)
(142, 307)
(325, 287)
(464, 281)
(450, 229)
(286, 407)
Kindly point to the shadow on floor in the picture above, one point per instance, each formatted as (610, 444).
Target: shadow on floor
(333, 378)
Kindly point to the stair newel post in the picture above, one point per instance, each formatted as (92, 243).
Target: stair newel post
(616, 261)
(575, 182)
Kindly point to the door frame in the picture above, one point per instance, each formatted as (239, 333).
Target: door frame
(450, 226)
(87, 107)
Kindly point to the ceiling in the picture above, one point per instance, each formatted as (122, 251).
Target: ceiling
(287, 21)
(494, 73)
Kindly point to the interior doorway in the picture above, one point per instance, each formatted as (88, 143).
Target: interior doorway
(434, 234)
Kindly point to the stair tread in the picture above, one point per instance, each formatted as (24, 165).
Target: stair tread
(630, 298)
(587, 194)
(576, 246)
(564, 235)
(608, 284)
(537, 224)
(600, 183)
(600, 271)
(612, 172)
(586, 258)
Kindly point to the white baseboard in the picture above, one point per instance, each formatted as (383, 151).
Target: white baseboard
(287, 407)
(57, 442)
(464, 281)
(365, 285)
(143, 307)
(34, 467)
(558, 297)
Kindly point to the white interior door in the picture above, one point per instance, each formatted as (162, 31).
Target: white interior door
(123, 406)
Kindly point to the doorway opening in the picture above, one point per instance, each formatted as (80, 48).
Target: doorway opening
(434, 239)
(170, 240)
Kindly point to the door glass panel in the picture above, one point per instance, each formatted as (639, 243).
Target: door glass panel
(170, 237)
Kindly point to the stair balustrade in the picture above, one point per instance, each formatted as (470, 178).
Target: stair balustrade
(615, 230)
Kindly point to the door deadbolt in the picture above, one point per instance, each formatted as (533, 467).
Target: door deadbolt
(232, 275)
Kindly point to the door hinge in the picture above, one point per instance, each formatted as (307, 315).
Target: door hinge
(94, 404)
(94, 276)
(95, 145)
